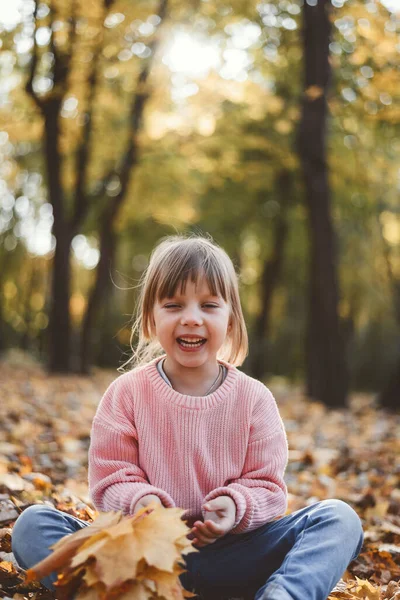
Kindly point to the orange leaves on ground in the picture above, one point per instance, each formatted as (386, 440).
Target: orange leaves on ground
(7, 567)
(392, 591)
(378, 565)
(351, 454)
(360, 589)
(122, 558)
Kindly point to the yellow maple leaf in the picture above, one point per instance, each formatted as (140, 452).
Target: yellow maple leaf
(115, 560)
(6, 566)
(65, 548)
(165, 584)
(122, 558)
(165, 527)
(365, 590)
(360, 589)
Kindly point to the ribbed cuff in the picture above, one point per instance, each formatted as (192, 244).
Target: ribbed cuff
(165, 498)
(236, 496)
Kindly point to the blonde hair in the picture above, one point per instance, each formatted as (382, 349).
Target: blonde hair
(173, 261)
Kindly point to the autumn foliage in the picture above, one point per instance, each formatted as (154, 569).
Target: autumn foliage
(124, 558)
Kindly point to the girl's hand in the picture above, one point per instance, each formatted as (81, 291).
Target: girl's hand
(221, 519)
(145, 501)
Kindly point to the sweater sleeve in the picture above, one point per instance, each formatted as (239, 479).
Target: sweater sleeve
(116, 481)
(260, 493)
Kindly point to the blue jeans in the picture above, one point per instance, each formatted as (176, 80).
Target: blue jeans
(298, 557)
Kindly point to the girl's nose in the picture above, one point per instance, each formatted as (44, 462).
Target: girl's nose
(191, 317)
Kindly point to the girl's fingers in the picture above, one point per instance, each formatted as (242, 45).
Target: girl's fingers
(213, 527)
(204, 535)
(199, 526)
(203, 542)
(208, 528)
(208, 532)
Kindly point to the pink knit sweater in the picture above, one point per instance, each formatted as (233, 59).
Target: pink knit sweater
(148, 438)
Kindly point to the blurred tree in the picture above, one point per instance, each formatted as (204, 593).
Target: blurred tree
(363, 154)
(271, 275)
(72, 29)
(326, 370)
(63, 26)
(390, 395)
(122, 174)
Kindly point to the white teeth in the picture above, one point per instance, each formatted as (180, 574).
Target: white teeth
(192, 343)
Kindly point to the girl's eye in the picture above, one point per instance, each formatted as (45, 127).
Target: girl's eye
(207, 305)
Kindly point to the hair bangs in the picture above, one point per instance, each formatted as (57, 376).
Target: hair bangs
(195, 266)
(216, 277)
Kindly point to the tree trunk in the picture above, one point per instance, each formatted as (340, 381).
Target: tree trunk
(2, 329)
(390, 397)
(64, 227)
(27, 309)
(327, 378)
(59, 319)
(270, 278)
(107, 234)
(2, 323)
(59, 316)
(98, 292)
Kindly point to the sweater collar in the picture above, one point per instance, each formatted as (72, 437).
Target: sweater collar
(164, 391)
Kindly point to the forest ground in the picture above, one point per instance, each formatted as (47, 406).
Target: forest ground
(352, 454)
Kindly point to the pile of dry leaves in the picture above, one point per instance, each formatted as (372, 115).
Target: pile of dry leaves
(351, 454)
(89, 563)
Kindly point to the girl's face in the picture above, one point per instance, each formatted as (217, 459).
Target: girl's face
(192, 326)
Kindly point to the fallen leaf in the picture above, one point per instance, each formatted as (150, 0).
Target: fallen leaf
(392, 548)
(7, 567)
(122, 557)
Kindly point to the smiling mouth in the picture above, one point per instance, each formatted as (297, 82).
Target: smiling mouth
(192, 344)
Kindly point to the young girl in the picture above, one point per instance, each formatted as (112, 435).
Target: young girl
(186, 428)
